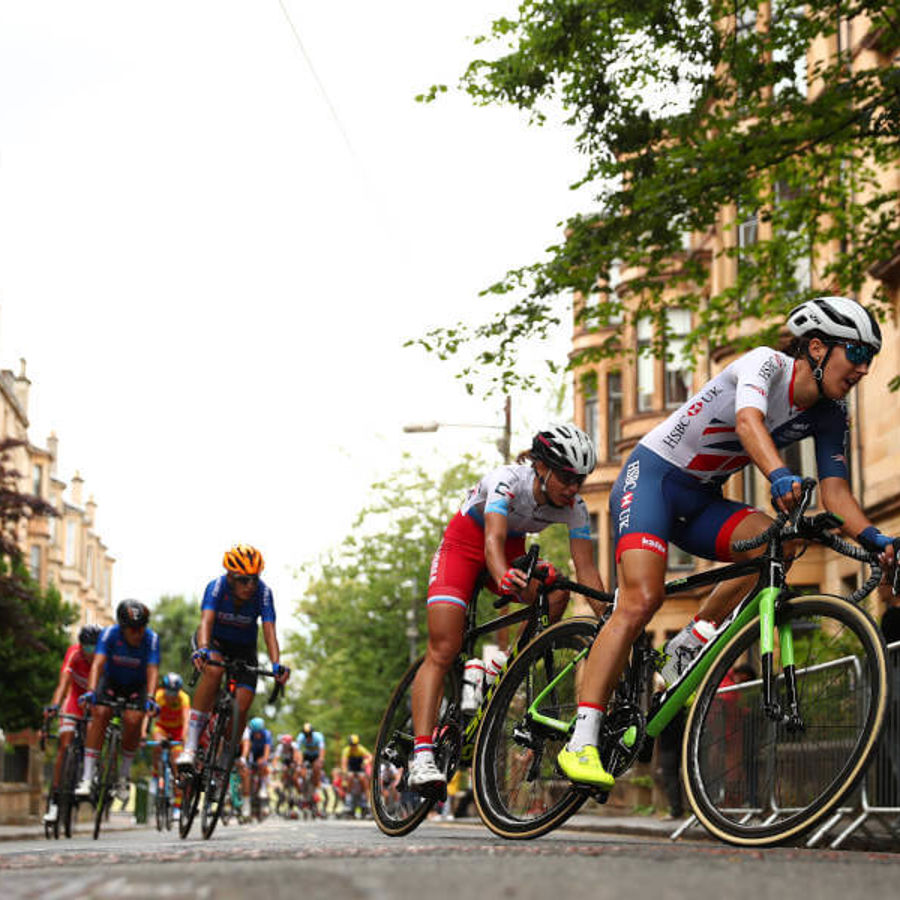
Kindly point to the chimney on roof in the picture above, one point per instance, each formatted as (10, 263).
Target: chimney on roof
(53, 449)
(76, 485)
(91, 508)
(21, 385)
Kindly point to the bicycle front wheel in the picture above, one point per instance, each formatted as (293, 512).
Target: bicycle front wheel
(398, 810)
(190, 799)
(109, 766)
(217, 774)
(519, 791)
(755, 779)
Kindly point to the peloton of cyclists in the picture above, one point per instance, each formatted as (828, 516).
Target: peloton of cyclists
(125, 667)
(670, 488)
(489, 532)
(232, 605)
(73, 682)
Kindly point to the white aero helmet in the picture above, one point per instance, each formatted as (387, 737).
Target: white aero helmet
(838, 318)
(565, 447)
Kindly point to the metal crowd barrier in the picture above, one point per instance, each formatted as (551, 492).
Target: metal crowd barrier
(878, 795)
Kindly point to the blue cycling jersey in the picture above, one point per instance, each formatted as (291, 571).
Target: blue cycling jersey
(259, 740)
(311, 745)
(127, 665)
(235, 623)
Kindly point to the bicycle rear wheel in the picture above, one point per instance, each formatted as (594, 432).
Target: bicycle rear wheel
(109, 766)
(216, 775)
(519, 791)
(398, 810)
(754, 781)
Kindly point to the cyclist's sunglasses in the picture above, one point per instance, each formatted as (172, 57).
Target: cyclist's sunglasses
(89, 648)
(569, 478)
(246, 580)
(857, 354)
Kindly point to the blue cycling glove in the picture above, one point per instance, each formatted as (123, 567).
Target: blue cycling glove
(783, 480)
(151, 706)
(200, 654)
(87, 699)
(279, 669)
(872, 539)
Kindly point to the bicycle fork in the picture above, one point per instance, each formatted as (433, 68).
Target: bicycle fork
(788, 712)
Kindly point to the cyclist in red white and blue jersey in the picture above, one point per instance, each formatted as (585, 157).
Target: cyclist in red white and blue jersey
(489, 533)
(126, 667)
(670, 488)
(232, 605)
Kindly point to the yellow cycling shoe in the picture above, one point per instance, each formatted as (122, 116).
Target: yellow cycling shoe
(584, 767)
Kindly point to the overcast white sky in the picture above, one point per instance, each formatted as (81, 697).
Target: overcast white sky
(212, 290)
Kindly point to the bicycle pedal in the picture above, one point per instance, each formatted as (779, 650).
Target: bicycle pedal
(435, 792)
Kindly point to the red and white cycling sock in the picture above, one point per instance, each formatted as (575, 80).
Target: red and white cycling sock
(423, 745)
(587, 726)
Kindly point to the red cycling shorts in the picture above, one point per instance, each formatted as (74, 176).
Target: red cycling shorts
(459, 560)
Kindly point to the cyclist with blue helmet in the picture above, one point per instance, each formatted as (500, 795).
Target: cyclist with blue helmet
(256, 748)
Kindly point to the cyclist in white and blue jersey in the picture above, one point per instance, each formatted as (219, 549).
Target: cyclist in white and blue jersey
(670, 488)
(232, 605)
(489, 533)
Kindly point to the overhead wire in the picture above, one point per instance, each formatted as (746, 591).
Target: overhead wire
(319, 82)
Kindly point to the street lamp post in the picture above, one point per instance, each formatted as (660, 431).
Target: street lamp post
(503, 444)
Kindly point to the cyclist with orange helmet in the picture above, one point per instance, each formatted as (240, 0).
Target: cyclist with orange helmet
(232, 605)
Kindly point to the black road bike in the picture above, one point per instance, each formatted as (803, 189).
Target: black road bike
(210, 776)
(396, 809)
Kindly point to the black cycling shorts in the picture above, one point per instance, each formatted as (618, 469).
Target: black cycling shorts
(134, 695)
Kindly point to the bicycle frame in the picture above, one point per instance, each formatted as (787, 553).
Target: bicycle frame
(538, 618)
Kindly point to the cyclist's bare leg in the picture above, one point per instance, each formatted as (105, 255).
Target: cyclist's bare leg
(245, 699)
(727, 594)
(97, 727)
(65, 738)
(641, 576)
(207, 687)
(445, 632)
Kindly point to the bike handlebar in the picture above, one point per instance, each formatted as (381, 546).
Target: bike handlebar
(238, 665)
(818, 528)
(528, 565)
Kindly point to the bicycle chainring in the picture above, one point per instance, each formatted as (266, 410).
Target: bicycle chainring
(618, 747)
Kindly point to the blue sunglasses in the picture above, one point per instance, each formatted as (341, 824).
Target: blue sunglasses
(857, 354)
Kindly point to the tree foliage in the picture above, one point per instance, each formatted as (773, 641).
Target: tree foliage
(175, 620)
(33, 623)
(683, 109)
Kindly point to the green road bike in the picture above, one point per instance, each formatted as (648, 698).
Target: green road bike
(396, 809)
(762, 762)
